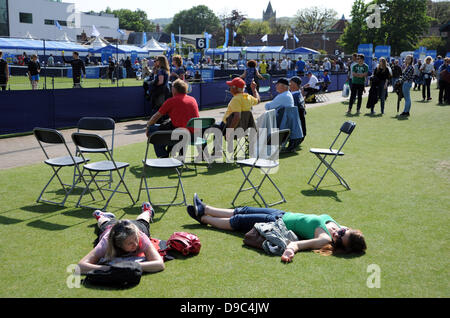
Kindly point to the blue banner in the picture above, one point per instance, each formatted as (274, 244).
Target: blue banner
(106, 54)
(133, 56)
(91, 72)
(421, 53)
(227, 37)
(432, 53)
(197, 57)
(207, 75)
(367, 50)
(383, 51)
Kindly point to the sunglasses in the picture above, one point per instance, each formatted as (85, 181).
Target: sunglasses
(341, 232)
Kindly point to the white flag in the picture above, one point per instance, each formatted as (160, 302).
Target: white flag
(286, 36)
(95, 31)
(265, 38)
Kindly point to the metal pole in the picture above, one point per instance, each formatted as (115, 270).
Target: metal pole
(116, 63)
(45, 67)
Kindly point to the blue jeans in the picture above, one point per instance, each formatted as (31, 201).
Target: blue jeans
(246, 217)
(407, 95)
(161, 151)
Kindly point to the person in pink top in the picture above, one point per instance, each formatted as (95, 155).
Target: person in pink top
(123, 239)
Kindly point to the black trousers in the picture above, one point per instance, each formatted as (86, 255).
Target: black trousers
(444, 92)
(356, 91)
(76, 80)
(3, 84)
(426, 86)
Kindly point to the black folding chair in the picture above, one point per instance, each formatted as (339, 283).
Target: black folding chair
(95, 125)
(322, 154)
(162, 138)
(274, 139)
(47, 136)
(92, 141)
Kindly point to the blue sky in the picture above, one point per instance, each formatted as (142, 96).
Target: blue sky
(252, 8)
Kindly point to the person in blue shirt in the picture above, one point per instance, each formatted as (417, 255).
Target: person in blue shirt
(325, 80)
(251, 74)
(300, 67)
(284, 97)
(437, 64)
(295, 84)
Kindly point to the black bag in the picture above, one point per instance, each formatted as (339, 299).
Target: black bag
(121, 275)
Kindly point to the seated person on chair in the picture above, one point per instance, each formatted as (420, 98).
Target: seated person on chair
(180, 108)
(312, 86)
(123, 239)
(241, 102)
(295, 85)
(320, 233)
(284, 97)
(325, 81)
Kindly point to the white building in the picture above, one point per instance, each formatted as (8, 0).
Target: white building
(36, 18)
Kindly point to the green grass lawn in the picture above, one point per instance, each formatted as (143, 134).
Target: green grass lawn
(23, 83)
(399, 172)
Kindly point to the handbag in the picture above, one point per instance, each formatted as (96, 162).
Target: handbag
(346, 90)
(253, 239)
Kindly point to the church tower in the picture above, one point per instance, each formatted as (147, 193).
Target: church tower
(269, 15)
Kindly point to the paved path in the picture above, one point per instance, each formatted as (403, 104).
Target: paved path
(25, 150)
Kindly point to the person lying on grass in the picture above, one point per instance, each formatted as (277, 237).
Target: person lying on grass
(320, 233)
(123, 239)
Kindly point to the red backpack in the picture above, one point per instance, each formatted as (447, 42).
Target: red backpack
(185, 243)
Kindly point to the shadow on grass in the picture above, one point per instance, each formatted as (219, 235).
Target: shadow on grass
(350, 115)
(373, 115)
(135, 129)
(322, 193)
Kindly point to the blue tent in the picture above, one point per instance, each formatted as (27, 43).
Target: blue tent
(303, 50)
(120, 49)
(247, 49)
(38, 45)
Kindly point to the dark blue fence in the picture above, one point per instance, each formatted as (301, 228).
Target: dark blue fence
(21, 111)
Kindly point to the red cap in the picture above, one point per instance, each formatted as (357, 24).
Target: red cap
(238, 82)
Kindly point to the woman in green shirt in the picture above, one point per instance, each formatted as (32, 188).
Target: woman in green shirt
(316, 232)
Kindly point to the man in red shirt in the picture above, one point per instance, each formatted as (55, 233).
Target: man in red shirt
(180, 108)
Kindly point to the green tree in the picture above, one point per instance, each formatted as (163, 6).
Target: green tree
(315, 20)
(133, 20)
(231, 21)
(249, 27)
(353, 34)
(402, 22)
(195, 21)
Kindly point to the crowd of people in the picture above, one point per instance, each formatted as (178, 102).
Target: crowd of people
(402, 75)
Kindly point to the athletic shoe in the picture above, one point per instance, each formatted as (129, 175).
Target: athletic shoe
(98, 214)
(146, 206)
(192, 214)
(199, 206)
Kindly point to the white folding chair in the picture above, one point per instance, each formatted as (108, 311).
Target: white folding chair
(274, 139)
